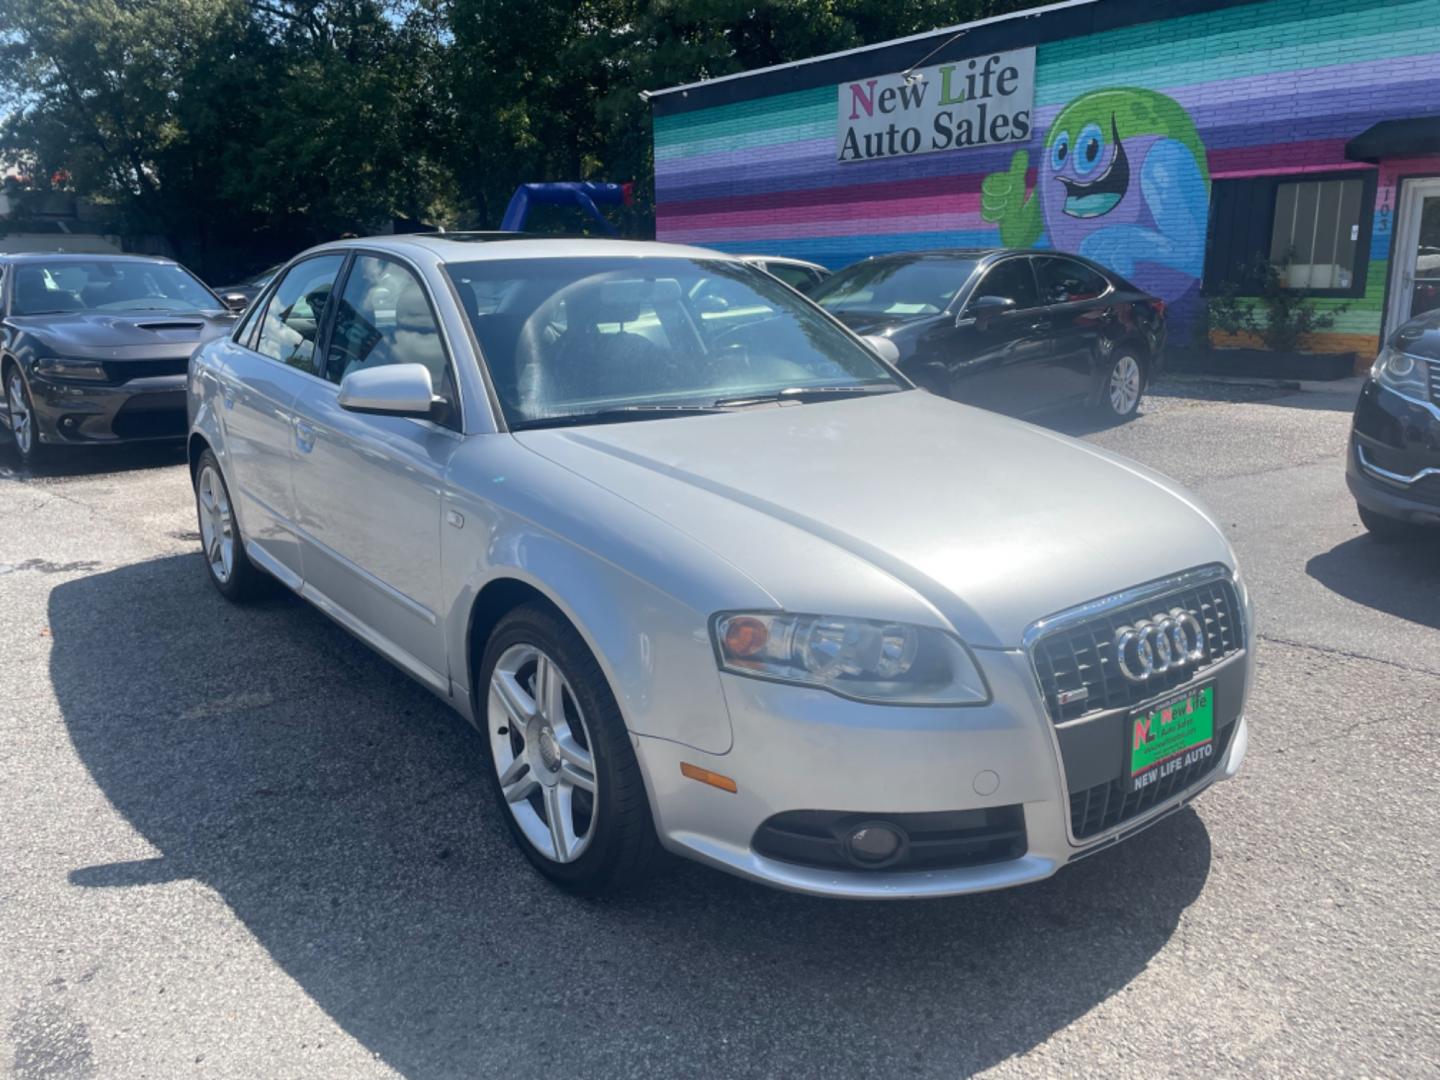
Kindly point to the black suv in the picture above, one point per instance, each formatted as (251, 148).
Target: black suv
(1020, 332)
(1393, 466)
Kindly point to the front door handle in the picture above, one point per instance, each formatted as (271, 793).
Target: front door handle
(304, 436)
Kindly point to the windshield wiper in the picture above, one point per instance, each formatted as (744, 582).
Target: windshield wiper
(808, 393)
(620, 415)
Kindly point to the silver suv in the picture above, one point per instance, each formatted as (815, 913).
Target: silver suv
(709, 576)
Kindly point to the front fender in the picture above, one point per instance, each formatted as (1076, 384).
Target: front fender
(639, 592)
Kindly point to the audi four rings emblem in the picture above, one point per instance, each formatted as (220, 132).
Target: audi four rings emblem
(1159, 644)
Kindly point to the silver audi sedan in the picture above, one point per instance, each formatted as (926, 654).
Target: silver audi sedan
(709, 576)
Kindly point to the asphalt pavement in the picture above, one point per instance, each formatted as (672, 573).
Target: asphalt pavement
(234, 843)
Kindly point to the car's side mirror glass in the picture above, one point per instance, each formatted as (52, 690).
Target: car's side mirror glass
(985, 307)
(391, 390)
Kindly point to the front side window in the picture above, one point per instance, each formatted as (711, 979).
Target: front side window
(384, 317)
(1065, 281)
(573, 338)
(1316, 232)
(107, 285)
(1012, 280)
(291, 323)
(895, 287)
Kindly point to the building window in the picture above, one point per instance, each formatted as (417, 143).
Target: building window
(1316, 232)
(1316, 226)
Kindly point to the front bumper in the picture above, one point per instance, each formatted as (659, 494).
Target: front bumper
(802, 749)
(1393, 463)
(71, 411)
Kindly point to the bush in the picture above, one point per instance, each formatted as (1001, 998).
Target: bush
(1256, 301)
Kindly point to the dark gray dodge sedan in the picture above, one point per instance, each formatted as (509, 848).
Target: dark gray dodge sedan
(94, 348)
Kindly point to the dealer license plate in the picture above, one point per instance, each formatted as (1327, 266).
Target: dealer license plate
(1170, 736)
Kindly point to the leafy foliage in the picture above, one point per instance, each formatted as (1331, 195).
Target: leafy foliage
(1257, 301)
(240, 130)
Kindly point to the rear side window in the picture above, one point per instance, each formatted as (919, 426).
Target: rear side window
(291, 323)
(1013, 280)
(1064, 281)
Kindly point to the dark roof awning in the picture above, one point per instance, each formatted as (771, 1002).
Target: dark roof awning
(1415, 137)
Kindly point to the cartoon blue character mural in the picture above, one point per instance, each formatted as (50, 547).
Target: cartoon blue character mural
(1123, 180)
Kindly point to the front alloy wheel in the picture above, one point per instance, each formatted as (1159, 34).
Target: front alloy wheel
(541, 748)
(564, 770)
(22, 417)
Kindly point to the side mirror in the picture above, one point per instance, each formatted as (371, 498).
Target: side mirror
(883, 347)
(710, 304)
(984, 307)
(235, 301)
(391, 390)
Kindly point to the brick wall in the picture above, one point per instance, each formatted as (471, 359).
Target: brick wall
(1272, 87)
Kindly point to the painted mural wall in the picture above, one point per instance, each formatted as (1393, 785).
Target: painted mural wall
(1131, 127)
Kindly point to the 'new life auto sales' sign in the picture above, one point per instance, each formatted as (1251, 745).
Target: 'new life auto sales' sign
(977, 102)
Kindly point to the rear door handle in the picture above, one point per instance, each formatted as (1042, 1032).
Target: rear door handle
(304, 436)
(1042, 326)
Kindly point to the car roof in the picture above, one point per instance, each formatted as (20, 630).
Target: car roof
(81, 256)
(478, 247)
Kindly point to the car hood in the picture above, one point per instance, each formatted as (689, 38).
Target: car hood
(903, 506)
(117, 335)
(867, 322)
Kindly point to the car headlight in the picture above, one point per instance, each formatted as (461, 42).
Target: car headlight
(1401, 372)
(61, 367)
(865, 659)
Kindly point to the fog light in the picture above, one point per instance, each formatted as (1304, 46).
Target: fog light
(874, 843)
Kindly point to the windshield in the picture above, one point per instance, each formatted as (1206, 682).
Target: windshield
(566, 339)
(898, 287)
(107, 285)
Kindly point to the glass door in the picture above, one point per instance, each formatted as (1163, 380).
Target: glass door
(1415, 288)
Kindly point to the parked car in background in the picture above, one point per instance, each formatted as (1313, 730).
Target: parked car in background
(93, 348)
(251, 286)
(1393, 467)
(707, 574)
(1020, 332)
(797, 273)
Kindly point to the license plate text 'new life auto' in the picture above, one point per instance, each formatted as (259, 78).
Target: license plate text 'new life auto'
(1172, 735)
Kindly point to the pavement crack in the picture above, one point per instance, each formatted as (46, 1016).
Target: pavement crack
(1349, 654)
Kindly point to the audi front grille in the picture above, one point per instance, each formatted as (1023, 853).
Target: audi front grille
(1074, 655)
(1103, 806)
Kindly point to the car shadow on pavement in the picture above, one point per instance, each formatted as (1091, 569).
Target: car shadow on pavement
(1400, 578)
(90, 460)
(342, 814)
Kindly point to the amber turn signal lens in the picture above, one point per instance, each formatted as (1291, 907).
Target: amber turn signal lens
(745, 636)
(705, 776)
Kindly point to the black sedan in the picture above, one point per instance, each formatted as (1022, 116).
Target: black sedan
(1020, 332)
(94, 348)
(1393, 467)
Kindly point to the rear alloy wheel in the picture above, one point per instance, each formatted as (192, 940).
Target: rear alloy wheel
(22, 418)
(564, 770)
(231, 571)
(1123, 388)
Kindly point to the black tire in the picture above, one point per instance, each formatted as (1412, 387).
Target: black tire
(1387, 529)
(245, 580)
(622, 843)
(30, 450)
(1126, 358)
